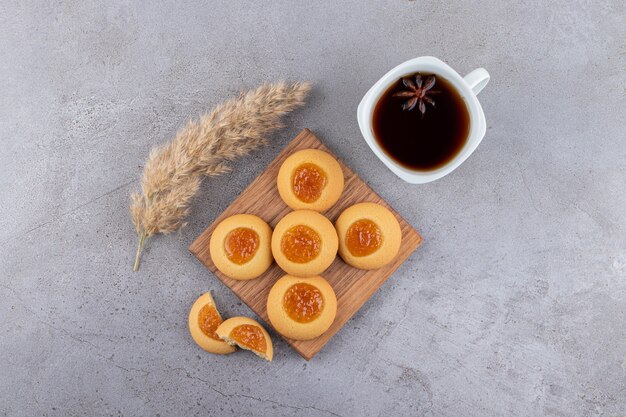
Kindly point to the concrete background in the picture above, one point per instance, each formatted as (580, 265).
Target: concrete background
(514, 306)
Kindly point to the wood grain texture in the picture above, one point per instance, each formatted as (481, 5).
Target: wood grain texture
(352, 286)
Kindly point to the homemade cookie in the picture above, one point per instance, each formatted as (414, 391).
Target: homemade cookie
(304, 243)
(369, 236)
(240, 246)
(248, 334)
(203, 321)
(310, 179)
(301, 308)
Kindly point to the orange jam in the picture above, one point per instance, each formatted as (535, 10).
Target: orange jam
(301, 244)
(241, 244)
(363, 238)
(303, 302)
(249, 336)
(208, 320)
(307, 182)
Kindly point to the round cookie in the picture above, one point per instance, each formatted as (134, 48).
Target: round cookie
(304, 243)
(369, 236)
(301, 308)
(310, 180)
(240, 246)
(248, 334)
(204, 319)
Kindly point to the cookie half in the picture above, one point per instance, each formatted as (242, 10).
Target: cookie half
(204, 319)
(248, 334)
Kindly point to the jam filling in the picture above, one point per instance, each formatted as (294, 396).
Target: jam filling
(301, 244)
(363, 238)
(307, 182)
(303, 302)
(241, 244)
(208, 320)
(249, 336)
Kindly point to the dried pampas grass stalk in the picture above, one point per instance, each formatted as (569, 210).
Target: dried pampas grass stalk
(204, 148)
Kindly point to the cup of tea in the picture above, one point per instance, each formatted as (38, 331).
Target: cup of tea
(422, 119)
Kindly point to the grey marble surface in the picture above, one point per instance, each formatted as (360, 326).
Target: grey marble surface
(514, 306)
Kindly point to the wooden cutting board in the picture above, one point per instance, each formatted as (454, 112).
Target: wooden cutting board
(352, 286)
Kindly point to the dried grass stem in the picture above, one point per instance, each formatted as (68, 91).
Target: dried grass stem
(174, 171)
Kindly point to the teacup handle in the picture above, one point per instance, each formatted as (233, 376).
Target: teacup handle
(477, 79)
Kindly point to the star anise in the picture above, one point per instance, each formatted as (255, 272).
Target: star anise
(417, 93)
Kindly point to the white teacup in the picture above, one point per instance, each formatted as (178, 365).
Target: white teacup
(468, 87)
